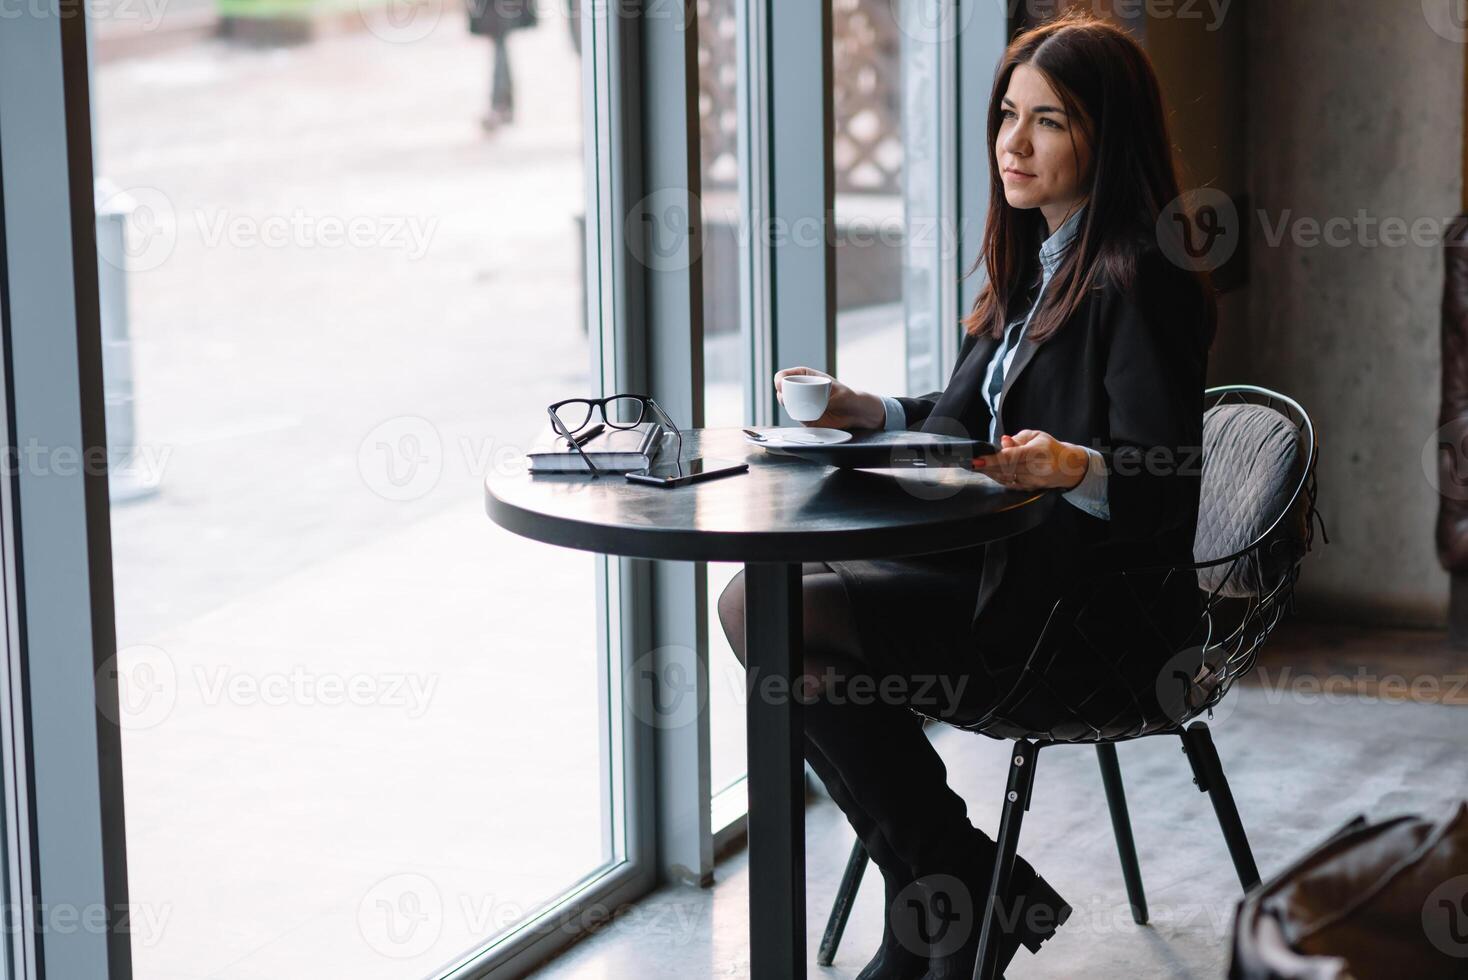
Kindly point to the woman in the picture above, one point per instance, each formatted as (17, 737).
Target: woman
(1084, 357)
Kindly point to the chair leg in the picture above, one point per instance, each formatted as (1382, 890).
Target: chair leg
(856, 866)
(1121, 823)
(1016, 802)
(1208, 774)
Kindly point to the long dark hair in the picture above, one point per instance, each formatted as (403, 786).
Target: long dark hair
(1107, 85)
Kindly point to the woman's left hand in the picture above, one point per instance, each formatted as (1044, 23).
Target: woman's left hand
(1034, 460)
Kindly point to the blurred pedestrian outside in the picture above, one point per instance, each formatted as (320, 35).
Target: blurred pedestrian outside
(496, 19)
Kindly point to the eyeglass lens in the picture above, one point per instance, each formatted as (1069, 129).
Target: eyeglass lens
(624, 412)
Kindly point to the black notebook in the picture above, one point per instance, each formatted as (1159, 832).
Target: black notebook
(611, 451)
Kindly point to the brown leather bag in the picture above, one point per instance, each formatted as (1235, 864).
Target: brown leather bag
(1452, 510)
(1375, 901)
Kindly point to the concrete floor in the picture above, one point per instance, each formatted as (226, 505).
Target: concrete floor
(1299, 767)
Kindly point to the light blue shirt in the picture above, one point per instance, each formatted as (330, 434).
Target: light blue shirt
(1090, 494)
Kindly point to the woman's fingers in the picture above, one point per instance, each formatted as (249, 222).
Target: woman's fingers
(997, 466)
(1015, 465)
(784, 373)
(1011, 467)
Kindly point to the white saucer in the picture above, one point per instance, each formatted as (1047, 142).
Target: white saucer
(790, 436)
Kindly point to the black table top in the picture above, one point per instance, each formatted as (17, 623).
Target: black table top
(783, 510)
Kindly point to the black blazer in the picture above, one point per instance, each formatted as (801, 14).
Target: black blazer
(1126, 377)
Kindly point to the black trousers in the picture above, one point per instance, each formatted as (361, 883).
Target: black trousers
(864, 726)
(910, 641)
(502, 84)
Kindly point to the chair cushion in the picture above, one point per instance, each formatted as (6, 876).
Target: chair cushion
(1253, 459)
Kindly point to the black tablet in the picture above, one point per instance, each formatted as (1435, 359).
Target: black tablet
(901, 451)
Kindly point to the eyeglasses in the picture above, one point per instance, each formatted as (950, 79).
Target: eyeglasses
(570, 416)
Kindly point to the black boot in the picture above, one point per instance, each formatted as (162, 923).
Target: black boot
(896, 778)
(1027, 916)
(896, 958)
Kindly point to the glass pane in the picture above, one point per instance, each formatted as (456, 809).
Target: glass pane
(342, 274)
(726, 352)
(726, 693)
(624, 412)
(885, 144)
(574, 415)
(726, 358)
(887, 149)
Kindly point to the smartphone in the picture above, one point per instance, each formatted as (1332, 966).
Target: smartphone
(689, 471)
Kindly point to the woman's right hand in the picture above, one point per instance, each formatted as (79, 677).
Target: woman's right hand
(847, 407)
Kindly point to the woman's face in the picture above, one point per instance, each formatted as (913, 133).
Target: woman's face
(1042, 154)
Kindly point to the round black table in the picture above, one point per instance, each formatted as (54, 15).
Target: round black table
(784, 511)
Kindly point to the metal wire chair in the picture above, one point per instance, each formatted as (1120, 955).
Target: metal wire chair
(1256, 523)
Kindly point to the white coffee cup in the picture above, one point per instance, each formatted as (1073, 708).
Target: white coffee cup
(805, 396)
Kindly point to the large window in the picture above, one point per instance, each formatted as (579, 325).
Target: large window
(365, 732)
(893, 158)
(727, 348)
(894, 252)
(345, 255)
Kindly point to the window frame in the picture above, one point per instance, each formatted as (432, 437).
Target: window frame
(611, 65)
(65, 834)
